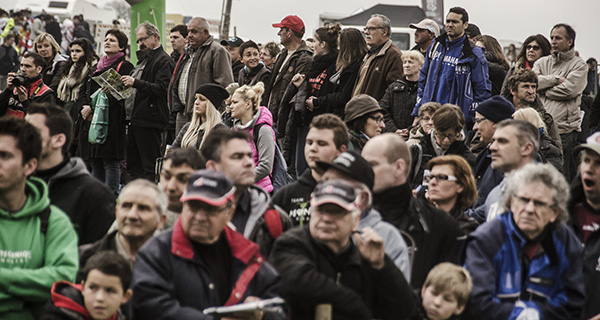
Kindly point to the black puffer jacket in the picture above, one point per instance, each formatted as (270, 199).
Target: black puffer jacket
(436, 235)
(312, 274)
(399, 100)
(294, 198)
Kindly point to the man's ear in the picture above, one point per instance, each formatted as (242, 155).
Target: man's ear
(342, 149)
(39, 69)
(161, 221)
(58, 140)
(126, 296)
(30, 166)
(211, 164)
(527, 149)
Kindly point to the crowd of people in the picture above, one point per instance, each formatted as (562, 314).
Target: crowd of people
(339, 178)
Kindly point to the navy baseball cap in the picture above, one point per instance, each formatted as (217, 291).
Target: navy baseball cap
(209, 186)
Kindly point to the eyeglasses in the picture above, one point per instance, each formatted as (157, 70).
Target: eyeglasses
(450, 136)
(478, 120)
(539, 205)
(142, 39)
(530, 47)
(439, 177)
(378, 119)
(365, 29)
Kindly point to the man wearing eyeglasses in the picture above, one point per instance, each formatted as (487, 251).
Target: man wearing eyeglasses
(382, 64)
(445, 138)
(455, 70)
(562, 76)
(201, 262)
(526, 264)
(515, 143)
(147, 108)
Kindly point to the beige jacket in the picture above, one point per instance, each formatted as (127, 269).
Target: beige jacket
(562, 100)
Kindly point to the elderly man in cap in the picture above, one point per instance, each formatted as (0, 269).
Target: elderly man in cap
(201, 262)
(353, 168)
(331, 262)
(295, 58)
(233, 48)
(425, 32)
(487, 115)
(584, 213)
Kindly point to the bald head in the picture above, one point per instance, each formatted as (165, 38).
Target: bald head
(390, 159)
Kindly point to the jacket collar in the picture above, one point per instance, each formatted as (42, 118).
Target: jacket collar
(241, 248)
(563, 56)
(467, 49)
(68, 296)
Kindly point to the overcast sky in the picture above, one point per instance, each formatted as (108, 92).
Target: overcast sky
(503, 19)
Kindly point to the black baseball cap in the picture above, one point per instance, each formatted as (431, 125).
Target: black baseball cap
(338, 192)
(209, 186)
(353, 165)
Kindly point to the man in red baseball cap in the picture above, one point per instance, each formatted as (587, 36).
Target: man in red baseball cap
(293, 60)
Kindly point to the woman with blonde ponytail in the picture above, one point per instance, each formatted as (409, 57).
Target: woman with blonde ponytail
(205, 118)
(249, 115)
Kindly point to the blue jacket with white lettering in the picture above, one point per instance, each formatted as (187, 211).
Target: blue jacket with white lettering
(470, 85)
(551, 282)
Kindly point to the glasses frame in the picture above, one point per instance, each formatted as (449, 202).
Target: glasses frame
(365, 29)
(535, 48)
(439, 177)
(448, 136)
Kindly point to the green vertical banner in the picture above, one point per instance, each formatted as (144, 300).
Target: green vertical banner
(147, 10)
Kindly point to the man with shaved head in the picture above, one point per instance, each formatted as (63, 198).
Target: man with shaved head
(435, 234)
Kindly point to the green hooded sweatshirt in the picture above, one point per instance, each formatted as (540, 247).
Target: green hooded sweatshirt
(30, 261)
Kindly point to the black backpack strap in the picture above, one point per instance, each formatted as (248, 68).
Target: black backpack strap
(44, 218)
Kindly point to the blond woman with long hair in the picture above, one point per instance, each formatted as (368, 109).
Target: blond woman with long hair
(205, 118)
(248, 114)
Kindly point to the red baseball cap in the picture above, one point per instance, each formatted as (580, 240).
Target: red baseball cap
(291, 22)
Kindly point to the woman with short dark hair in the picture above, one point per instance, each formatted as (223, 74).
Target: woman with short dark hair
(104, 158)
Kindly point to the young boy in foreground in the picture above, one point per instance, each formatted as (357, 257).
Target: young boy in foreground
(107, 277)
(445, 292)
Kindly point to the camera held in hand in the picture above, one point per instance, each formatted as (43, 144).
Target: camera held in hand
(19, 80)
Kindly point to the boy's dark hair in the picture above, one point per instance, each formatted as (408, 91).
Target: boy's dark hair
(569, 31)
(27, 136)
(57, 121)
(189, 156)
(462, 12)
(181, 28)
(110, 263)
(121, 38)
(246, 45)
(216, 139)
(38, 61)
(448, 117)
(333, 123)
(9, 36)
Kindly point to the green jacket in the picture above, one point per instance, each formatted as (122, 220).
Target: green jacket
(30, 261)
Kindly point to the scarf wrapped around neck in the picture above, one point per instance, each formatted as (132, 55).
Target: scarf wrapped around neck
(69, 86)
(106, 61)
